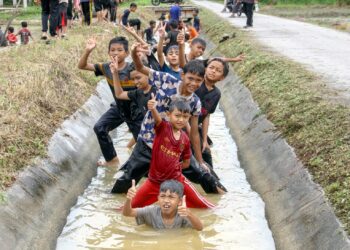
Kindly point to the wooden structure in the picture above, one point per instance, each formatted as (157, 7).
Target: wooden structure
(186, 11)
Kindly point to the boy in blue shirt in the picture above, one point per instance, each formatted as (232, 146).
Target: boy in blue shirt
(175, 11)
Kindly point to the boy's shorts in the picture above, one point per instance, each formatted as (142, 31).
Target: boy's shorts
(101, 5)
(148, 192)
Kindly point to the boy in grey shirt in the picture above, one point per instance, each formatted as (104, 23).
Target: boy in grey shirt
(171, 212)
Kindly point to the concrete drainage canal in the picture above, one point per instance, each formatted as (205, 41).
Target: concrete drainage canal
(294, 214)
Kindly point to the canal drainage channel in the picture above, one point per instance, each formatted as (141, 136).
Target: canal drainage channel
(38, 203)
(239, 217)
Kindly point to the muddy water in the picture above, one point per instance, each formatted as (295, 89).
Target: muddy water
(238, 222)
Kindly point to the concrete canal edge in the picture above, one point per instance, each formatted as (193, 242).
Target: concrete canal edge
(38, 203)
(296, 208)
(299, 216)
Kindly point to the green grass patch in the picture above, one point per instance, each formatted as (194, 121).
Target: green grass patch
(293, 99)
(30, 13)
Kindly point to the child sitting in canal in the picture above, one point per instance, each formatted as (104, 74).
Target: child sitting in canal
(171, 212)
(171, 153)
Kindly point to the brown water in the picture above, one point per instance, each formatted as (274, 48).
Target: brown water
(238, 222)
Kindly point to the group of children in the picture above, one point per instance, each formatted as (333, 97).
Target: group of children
(11, 36)
(166, 104)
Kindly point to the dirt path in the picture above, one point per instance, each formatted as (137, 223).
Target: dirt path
(324, 51)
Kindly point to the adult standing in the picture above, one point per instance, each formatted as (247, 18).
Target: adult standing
(175, 11)
(49, 13)
(86, 9)
(248, 6)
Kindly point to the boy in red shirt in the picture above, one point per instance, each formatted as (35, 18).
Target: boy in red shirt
(11, 37)
(24, 33)
(171, 153)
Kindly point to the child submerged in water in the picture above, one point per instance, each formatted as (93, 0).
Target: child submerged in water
(171, 211)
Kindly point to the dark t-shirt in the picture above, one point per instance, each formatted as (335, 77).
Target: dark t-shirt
(127, 108)
(125, 17)
(149, 34)
(140, 98)
(172, 35)
(209, 100)
(167, 69)
(196, 23)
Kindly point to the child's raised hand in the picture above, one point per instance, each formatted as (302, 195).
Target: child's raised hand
(181, 37)
(240, 57)
(114, 64)
(129, 29)
(138, 47)
(182, 209)
(161, 30)
(152, 103)
(90, 44)
(132, 191)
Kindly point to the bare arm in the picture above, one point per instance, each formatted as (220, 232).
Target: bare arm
(83, 64)
(185, 212)
(118, 90)
(195, 139)
(160, 45)
(152, 104)
(132, 32)
(205, 127)
(127, 209)
(137, 61)
(233, 59)
(181, 42)
(185, 163)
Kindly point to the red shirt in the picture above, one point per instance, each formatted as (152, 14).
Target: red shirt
(11, 38)
(25, 34)
(167, 153)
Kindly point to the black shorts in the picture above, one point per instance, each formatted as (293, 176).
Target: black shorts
(101, 5)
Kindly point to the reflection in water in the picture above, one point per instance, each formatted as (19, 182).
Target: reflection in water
(238, 222)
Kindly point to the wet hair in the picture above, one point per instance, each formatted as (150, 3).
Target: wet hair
(180, 105)
(175, 47)
(11, 29)
(152, 22)
(174, 24)
(119, 40)
(173, 186)
(224, 64)
(195, 67)
(200, 41)
(133, 5)
(24, 24)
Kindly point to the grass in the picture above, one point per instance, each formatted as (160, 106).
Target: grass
(293, 99)
(40, 86)
(31, 13)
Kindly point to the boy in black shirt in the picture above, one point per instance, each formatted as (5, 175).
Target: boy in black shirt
(124, 19)
(120, 111)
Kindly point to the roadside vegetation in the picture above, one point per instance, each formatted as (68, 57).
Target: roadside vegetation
(296, 101)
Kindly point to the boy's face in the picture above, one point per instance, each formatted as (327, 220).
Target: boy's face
(214, 71)
(194, 13)
(197, 49)
(140, 80)
(169, 202)
(133, 9)
(178, 119)
(190, 82)
(173, 57)
(153, 25)
(118, 50)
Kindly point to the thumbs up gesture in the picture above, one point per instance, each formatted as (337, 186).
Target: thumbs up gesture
(182, 209)
(152, 103)
(132, 191)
